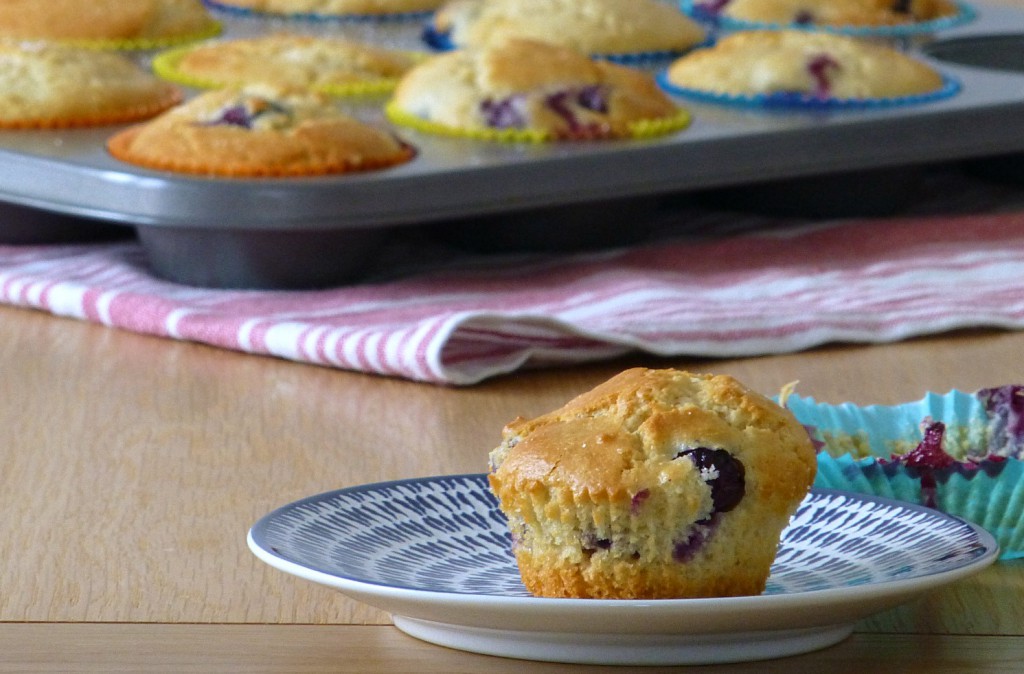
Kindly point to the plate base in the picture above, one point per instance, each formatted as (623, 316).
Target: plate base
(625, 649)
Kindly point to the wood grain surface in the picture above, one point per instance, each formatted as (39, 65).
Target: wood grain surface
(311, 649)
(133, 466)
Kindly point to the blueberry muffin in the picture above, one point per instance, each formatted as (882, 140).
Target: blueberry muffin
(258, 131)
(833, 13)
(655, 484)
(793, 62)
(601, 27)
(332, 7)
(329, 64)
(105, 20)
(46, 85)
(526, 90)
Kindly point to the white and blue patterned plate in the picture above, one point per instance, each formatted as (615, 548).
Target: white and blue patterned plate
(436, 554)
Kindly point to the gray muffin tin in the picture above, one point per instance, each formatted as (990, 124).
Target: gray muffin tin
(320, 231)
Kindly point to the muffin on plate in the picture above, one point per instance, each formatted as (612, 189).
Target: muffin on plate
(329, 8)
(332, 65)
(46, 85)
(655, 484)
(522, 90)
(610, 28)
(258, 131)
(832, 13)
(107, 23)
(794, 66)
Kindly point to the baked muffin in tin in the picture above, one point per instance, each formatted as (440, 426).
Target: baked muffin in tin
(617, 29)
(49, 85)
(892, 18)
(523, 90)
(259, 131)
(333, 65)
(794, 68)
(115, 24)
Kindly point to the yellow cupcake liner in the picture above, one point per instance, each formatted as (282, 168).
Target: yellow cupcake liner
(640, 129)
(166, 65)
(212, 29)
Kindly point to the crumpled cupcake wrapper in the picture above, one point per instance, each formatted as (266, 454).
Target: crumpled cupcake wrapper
(991, 495)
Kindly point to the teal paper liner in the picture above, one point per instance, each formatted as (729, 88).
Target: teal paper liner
(965, 15)
(795, 101)
(989, 493)
(315, 17)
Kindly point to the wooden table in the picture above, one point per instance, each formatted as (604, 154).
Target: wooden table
(131, 468)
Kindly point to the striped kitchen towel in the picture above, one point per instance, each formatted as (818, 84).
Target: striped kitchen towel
(774, 291)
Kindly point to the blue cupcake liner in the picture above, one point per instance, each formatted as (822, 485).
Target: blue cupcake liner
(985, 485)
(965, 14)
(316, 17)
(799, 101)
(440, 41)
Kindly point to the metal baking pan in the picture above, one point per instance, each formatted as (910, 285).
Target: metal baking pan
(323, 230)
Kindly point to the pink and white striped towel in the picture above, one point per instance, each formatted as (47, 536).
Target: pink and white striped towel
(746, 294)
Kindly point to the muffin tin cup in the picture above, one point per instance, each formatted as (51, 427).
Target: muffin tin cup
(1000, 52)
(260, 260)
(25, 225)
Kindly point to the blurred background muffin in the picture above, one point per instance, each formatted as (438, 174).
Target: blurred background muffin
(258, 131)
(44, 85)
(330, 7)
(333, 65)
(834, 13)
(526, 90)
(597, 27)
(794, 66)
(114, 23)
